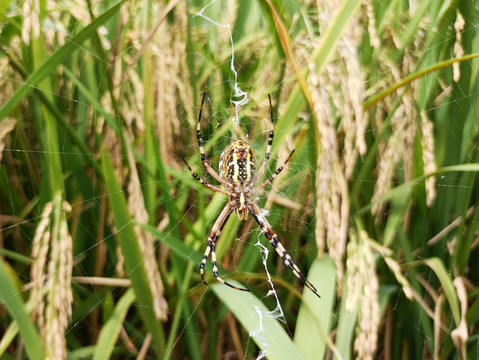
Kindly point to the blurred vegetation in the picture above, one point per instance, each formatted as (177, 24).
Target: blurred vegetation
(103, 228)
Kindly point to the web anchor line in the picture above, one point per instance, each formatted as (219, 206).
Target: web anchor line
(238, 93)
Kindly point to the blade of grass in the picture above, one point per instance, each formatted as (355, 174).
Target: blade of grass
(133, 258)
(288, 51)
(315, 317)
(11, 297)
(110, 331)
(405, 188)
(272, 338)
(92, 100)
(8, 337)
(81, 353)
(346, 326)
(439, 269)
(16, 256)
(368, 104)
(330, 38)
(46, 124)
(177, 317)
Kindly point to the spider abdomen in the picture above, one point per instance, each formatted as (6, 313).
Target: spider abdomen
(238, 162)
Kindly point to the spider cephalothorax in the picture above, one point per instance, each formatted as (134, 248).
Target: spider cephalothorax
(239, 177)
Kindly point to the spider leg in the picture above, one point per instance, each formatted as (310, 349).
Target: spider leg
(273, 239)
(278, 170)
(215, 270)
(209, 186)
(213, 236)
(203, 263)
(205, 162)
(268, 148)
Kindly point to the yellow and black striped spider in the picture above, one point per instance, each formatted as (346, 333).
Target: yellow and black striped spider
(237, 173)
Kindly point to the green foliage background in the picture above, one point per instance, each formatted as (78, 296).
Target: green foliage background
(101, 93)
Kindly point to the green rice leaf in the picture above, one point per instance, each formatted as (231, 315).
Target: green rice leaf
(110, 331)
(316, 315)
(261, 323)
(11, 298)
(131, 251)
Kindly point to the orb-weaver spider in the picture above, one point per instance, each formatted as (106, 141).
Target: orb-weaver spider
(238, 175)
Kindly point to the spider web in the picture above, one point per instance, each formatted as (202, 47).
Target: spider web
(239, 99)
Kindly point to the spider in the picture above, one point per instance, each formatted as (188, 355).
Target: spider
(237, 173)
